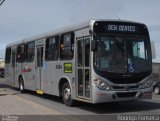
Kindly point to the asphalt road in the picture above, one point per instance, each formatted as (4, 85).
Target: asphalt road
(30, 103)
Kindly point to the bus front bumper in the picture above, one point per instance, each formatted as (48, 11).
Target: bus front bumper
(102, 96)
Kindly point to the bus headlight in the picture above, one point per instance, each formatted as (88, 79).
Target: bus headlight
(101, 85)
(146, 84)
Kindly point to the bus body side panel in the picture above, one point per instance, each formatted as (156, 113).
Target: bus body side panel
(50, 79)
(28, 70)
(52, 74)
(17, 73)
(8, 73)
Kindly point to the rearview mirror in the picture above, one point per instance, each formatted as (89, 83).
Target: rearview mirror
(93, 45)
(153, 50)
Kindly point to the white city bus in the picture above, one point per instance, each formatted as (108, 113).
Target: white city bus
(97, 61)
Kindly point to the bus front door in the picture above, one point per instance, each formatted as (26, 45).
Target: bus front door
(83, 67)
(39, 68)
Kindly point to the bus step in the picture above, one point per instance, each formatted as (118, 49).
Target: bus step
(40, 92)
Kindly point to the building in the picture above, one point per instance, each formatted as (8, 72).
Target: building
(2, 63)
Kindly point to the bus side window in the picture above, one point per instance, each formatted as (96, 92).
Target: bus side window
(21, 53)
(8, 55)
(30, 51)
(66, 46)
(51, 52)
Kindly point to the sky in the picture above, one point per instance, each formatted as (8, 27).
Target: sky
(25, 18)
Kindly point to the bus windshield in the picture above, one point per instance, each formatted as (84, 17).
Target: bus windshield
(122, 54)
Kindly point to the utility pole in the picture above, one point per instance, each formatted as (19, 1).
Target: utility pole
(1, 2)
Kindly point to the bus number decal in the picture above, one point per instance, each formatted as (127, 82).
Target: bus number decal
(58, 66)
(67, 67)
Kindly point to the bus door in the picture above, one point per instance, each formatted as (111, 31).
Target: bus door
(13, 66)
(83, 67)
(39, 67)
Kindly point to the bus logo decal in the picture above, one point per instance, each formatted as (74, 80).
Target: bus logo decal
(26, 69)
(126, 87)
(67, 67)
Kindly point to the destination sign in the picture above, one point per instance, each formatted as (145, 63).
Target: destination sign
(122, 28)
(104, 27)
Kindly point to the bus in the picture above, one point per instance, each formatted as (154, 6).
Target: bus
(95, 62)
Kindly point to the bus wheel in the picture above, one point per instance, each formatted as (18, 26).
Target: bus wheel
(156, 90)
(66, 95)
(21, 85)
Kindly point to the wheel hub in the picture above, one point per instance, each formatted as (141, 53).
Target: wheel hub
(21, 86)
(67, 93)
(156, 90)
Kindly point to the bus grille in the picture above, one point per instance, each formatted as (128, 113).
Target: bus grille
(123, 87)
(126, 94)
(125, 80)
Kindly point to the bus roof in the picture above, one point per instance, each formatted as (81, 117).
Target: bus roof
(75, 27)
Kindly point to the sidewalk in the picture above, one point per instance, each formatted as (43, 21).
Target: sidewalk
(11, 103)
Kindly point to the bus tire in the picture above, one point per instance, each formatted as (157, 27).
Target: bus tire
(156, 90)
(21, 85)
(66, 95)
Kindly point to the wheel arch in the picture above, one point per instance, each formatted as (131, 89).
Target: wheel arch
(63, 80)
(21, 76)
